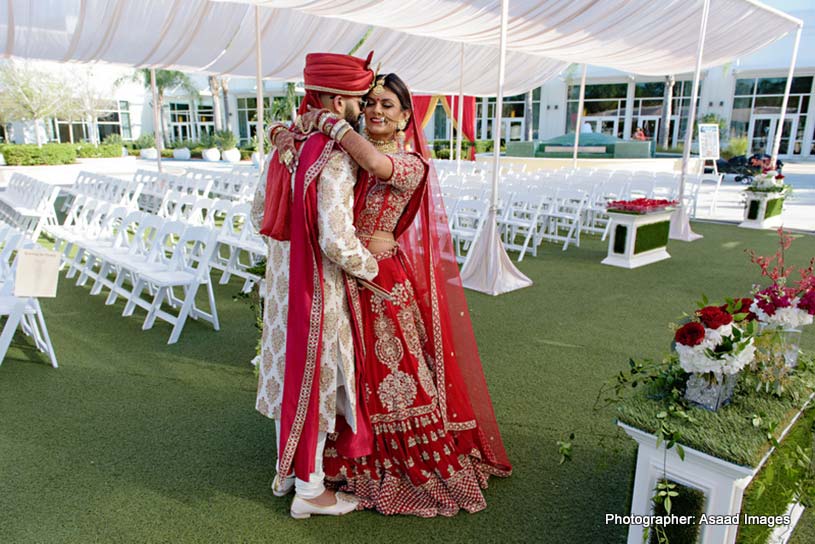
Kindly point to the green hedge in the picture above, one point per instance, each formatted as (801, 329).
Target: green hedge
(88, 151)
(30, 154)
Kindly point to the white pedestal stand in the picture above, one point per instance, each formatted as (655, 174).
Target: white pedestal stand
(722, 482)
(759, 219)
(630, 257)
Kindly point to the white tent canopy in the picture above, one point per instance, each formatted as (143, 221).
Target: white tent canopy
(219, 38)
(640, 36)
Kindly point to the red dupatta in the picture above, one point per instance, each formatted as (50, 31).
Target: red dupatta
(299, 414)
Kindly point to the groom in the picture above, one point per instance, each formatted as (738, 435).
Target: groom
(307, 377)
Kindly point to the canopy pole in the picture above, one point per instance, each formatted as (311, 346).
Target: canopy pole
(156, 118)
(487, 268)
(578, 126)
(779, 129)
(680, 222)
(259, 84)
(460, 108)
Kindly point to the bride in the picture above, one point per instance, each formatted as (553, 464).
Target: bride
(434, 437)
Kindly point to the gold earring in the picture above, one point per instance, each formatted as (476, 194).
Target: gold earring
(401, 124)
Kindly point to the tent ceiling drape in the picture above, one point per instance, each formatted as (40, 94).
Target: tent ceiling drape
(417, 38)
(216, 37)
(640, 36)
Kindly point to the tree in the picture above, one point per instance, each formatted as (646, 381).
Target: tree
(29, 94)
(284, 107)
(166, 81)
(215, 90)
(88, 103)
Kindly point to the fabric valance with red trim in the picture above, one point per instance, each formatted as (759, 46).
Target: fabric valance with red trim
(425, 105)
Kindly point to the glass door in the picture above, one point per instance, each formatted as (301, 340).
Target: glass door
(762, 133)
(602, 125)
(650, 126)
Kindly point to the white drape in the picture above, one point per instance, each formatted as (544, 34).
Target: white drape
(416, 38)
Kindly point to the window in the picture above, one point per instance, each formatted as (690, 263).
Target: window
(124, 118)
(180, 121)
(603, 108)
(757, 112)
(247, 118)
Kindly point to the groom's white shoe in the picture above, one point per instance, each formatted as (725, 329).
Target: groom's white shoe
(302, 509)
(282, 486)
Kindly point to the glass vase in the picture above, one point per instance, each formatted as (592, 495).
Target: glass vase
(788, 342)
(709, 391)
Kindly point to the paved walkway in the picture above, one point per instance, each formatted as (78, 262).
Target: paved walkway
(799, 210)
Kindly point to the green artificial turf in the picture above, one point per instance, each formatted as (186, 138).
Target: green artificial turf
(729, 433)
(132, 440)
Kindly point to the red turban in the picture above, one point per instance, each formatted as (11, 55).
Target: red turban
(336, 74)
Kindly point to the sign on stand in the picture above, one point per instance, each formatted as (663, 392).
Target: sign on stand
(709, 142)
(37, 273)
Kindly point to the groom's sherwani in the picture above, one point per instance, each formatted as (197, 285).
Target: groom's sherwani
(342, 251)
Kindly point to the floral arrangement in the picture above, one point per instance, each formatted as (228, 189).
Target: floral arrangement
(770, 181)
(717, 340)
(641, 205)
(783, 304)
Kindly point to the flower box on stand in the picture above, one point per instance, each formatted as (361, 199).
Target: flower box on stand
(723, 452)
(764, 201)
(762, 210)
(639, 233)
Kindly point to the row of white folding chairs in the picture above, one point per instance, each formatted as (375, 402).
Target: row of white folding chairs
(244, 247)
(164, 262)
(555, 215)
(20, 312)
(231, 186)
(106, 188)
(28, 204)
(156, 185)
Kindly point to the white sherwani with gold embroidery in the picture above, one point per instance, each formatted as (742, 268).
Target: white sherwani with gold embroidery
(342, 252)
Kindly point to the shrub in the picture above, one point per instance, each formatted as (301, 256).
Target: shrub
(225, 139)
(145, 141)
(166, 153)
(133, 152)
(180, 144)
(30, 154)
(113, 139)
(736, 147)
(87, 151)
(246, 154)
(207, 140)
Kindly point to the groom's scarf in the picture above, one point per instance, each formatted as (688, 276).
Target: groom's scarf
(299, 415)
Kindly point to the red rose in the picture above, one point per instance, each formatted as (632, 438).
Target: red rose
(690, 334)
(741, 306)
(714, 317)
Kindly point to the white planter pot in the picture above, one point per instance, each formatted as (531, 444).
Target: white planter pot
(2, 160)
(182, 153)
(231, 155)
(256, 158)
(124, 152)
(211, 155)
(150, 153)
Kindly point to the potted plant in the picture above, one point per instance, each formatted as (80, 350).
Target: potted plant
(182, 150)
(210, 152)
(146, 143)
(765, 201)
(227, 143)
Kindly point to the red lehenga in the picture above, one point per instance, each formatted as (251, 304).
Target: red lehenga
(436, 440)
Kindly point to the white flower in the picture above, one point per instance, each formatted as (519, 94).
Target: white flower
(694, 359)
(713, 337)
(790, 317)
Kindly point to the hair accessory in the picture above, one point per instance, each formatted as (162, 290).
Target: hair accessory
(379, 88)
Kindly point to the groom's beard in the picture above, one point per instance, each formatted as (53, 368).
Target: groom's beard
(351, 115)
